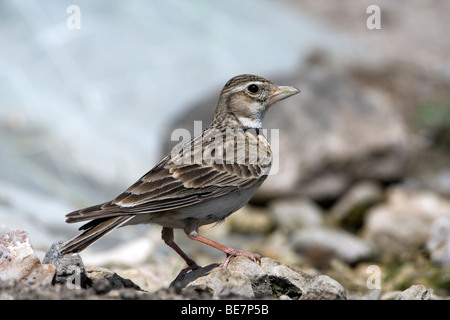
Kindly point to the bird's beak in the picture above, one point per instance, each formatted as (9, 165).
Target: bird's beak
(281, 93)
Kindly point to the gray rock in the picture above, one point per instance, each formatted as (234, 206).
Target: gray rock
(98, 276)
(70, 270)
(331, 243)
(277, 279)
(293, 214)
(438, 243)
(324, 288)
(69, 267)
(224, 283)
(245, 278)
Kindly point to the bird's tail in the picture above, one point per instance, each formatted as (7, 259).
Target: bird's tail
(93, 231)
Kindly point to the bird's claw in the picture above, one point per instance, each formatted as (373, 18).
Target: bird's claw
(234, 253)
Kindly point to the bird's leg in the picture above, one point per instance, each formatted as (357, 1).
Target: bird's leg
(167, 236)
(192, 233)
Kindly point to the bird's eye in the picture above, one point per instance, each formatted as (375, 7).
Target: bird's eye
(253, 88)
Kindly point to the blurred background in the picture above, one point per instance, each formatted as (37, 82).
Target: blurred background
(89, 97)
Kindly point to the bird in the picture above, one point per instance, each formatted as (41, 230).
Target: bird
(200, 182)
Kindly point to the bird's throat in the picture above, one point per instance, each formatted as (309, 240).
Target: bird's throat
(246, 122)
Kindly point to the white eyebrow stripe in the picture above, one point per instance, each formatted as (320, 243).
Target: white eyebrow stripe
(244, 86)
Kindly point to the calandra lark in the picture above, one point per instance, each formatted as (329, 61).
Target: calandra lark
(201, 182)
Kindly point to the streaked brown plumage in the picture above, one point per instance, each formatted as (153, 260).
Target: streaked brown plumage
(201, 182)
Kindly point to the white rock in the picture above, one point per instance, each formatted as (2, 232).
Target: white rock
(291, 215)
(333, 242)
(405, 220)
(223, 282)
(415, 292)
(19, 262)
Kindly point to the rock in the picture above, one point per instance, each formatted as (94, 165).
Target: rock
(69, 267)
(324, 288)
(217, 281)
(19, 262)
(293, 214)
(404, 222)
(116, 282)
(415, 292)
(70, 270)
(321, 244)
(438, 243)
(278, 279)
(349, 211)
(248, 279)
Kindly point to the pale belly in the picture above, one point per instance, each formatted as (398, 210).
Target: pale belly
(211, 211)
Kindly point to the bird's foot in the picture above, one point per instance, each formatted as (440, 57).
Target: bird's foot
(231, 253)
(191, 266)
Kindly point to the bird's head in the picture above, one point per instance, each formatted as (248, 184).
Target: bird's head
(245, 99)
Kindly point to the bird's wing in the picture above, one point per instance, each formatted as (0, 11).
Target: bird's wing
(208, 167)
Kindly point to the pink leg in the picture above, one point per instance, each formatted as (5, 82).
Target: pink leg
(167, 236)
(230, 252)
